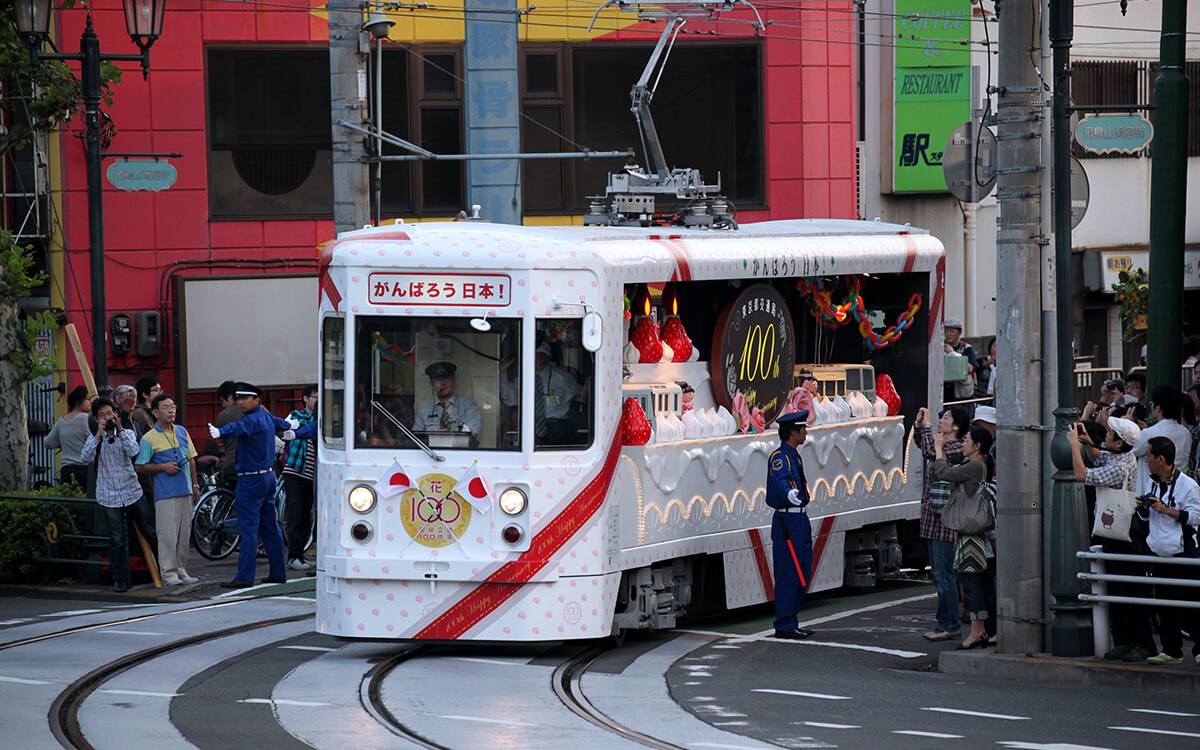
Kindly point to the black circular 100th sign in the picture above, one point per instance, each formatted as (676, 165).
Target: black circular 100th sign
(754, 349)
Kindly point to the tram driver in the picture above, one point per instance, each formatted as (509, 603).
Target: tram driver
(448, 411)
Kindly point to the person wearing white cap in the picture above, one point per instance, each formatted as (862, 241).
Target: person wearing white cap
(560, 389)
(1114, 465)
(985, 417)
(965, 388)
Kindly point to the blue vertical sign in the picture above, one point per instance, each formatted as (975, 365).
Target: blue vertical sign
(493, 107)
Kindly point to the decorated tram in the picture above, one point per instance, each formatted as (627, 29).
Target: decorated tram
(546, 433)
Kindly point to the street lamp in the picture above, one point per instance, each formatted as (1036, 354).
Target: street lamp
(143, 21)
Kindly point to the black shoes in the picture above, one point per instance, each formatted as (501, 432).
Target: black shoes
(120, 587)
(236, 584)
(268, 579)
(980, 642)
(798, 634)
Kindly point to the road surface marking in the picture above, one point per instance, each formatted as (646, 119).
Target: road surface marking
(281, 702)
(497, 662)
(143, 693)
(1156, 711)
(1156, 731)
(981, 714)
(935, 735)
(310, 648)
(482, 720)
(1018, 745)
(823, 725)
(852, 612)
(72, 613)
(17, 621)
(797, 693)
(129, 632)
(22, 681)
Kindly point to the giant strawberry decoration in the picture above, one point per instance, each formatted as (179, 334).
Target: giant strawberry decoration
(635, 428)
(645, 338)
(673, 333)
(885, 390)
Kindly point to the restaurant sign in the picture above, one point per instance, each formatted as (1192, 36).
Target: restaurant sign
(142, 174)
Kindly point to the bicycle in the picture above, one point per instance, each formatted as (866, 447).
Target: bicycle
(214, 521)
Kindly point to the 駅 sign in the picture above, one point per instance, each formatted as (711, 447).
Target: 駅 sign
(1114, 134)
(141, 174)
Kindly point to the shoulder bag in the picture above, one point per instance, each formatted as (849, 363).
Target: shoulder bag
(970, 514)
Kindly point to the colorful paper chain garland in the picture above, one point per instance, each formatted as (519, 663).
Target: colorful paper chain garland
(832, 316)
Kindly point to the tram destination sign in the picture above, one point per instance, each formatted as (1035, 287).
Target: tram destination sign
(754, 350)
(1114, 134)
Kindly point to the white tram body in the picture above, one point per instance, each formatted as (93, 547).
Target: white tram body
(610, 535)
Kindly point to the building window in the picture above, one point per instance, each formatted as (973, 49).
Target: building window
(1119, 82)
(270, 139)
(268, 132)
(582, 92)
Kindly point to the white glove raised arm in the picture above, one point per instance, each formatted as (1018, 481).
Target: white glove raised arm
(293, 423)
(289, 435)
(213, 431)
(794, 497)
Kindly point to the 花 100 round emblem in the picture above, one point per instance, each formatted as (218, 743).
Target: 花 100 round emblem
(433, 514)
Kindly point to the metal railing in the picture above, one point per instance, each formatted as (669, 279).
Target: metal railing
(1101, 632)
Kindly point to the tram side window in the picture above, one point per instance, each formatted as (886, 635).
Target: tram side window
(333, 381)
(564, 372)
(434, 380)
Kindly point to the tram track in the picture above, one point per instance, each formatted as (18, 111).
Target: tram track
(64, 712)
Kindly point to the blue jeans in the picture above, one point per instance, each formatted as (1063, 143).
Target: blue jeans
(941, 562)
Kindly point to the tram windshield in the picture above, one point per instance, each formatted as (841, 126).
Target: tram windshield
(436, 379)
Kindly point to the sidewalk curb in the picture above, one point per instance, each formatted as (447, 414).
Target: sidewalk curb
(1044, 669)
(73, 592)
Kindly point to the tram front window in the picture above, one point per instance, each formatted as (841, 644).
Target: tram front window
(436, 379)
(563, 373)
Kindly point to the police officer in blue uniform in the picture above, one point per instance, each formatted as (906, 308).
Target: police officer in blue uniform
(255, 495)
(791, 533)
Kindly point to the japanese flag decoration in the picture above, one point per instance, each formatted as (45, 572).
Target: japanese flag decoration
(395, 481)
(474, 490)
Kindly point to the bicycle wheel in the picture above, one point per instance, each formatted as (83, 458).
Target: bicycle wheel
(214, 525)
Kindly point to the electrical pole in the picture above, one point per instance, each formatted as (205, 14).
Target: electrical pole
(348, 102)
(1019, 341)
(1168, 201)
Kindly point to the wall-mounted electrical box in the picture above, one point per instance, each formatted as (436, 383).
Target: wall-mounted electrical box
(119, 334)
(149, 335)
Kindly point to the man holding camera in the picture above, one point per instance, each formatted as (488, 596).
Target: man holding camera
(117, 488)
(1170, 500)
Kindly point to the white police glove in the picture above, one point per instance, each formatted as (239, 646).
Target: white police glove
(794, 497)
(293, 423)
(289, 435)
(213, 431)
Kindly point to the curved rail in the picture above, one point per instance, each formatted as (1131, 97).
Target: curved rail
(566, 686)
(372, 702)
(64, 713)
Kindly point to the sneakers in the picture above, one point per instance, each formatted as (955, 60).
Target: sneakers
(941, 635)
(1164, 658)
(173, 581)
(1198, 660)
(190, 579)
(299, 563)
(1135, 654)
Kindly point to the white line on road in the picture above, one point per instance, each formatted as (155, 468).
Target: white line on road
(310, 648)
(1163, 713)
(281, 702)
(797, 693)
(1156, 731)
(482, 720)
(1018, 745)
(17, 621)
(860, 610)
(980, 714)
(143, 693)
(72, 613)
(496, 662)
(22, 681)
(824, 725)
(826, 644)
(935, 735)
(129, 632)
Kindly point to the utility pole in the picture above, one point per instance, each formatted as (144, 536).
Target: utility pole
(348, 102)
(1168, 200)
(1019, 341)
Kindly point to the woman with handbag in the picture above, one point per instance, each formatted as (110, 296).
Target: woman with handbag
(952, 425)
(973, 551)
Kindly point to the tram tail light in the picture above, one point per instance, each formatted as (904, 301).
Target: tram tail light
(361, 531)
(512, 533)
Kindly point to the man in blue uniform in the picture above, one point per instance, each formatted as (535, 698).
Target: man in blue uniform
(791, 533)
(255, 495)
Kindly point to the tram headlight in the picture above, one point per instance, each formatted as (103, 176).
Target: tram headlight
(361, 498)
(512, 501)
